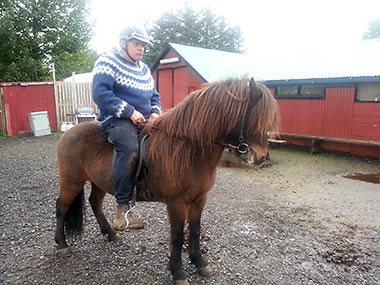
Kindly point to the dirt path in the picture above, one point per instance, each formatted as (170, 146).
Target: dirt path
(296, 222)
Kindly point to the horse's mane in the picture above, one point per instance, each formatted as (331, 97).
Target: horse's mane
(206, 117)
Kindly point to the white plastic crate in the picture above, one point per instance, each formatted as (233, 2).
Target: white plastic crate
(39, 123)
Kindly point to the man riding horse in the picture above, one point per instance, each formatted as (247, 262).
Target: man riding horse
(124, 91)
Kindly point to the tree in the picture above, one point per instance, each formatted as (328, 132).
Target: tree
(373, 29)
(195, 28)
(80, 62)
(40, 32)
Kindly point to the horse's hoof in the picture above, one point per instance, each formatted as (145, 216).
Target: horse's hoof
(64, 251)
(206, 271)
(181, 282)
(115, 238)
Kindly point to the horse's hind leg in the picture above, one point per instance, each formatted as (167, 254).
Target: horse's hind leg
(96, 201)
(194, 219)
(69, 195)
(62, 246)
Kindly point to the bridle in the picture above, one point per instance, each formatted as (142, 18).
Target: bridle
(242, 147)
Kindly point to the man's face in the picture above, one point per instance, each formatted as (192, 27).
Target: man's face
(136, 49)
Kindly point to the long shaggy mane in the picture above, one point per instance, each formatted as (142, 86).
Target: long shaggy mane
(206, 117)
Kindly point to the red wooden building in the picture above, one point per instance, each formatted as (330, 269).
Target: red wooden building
(338, 113)
(18, 100)
(183, 69)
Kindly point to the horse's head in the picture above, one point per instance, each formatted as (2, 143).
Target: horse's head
(259, 117)
(253, 154)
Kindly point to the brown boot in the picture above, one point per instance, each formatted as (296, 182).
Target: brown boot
(120, 223)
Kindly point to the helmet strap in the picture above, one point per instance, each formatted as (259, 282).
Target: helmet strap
(127, 52)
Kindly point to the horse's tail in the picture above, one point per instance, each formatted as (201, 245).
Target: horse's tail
(74, 217)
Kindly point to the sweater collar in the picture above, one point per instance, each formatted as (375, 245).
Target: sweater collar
(121, 57)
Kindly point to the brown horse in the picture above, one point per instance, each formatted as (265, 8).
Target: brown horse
(182, 153)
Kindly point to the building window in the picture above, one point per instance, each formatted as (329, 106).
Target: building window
(287, 90)
(306, 91)
(368, 92)
(315, 91)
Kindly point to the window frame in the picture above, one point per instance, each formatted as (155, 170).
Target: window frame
(357, 87)
(298, 95)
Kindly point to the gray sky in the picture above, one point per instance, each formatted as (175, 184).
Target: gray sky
(283, 31)
(269, 23)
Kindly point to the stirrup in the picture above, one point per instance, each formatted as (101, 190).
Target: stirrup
(131, 210)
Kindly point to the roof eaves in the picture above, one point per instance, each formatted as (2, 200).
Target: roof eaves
(329, 80)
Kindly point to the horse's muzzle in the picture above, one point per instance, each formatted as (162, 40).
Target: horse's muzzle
(252, 158)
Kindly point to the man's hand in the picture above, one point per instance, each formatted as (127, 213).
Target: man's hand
(137, 117)
(153, 116)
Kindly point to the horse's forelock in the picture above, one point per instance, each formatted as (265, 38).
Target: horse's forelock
(264, 116)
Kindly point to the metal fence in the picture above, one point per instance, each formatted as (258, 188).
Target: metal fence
(69, 96)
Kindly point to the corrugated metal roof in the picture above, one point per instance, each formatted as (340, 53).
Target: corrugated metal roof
(360, 62)
(212, 64)
(326, 80)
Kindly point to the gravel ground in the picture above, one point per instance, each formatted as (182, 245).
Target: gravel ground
(298, 221)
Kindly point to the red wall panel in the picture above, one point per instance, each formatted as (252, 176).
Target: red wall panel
(20, 100)
(2, 112)
(165, 87)
(185, 81)
(302, 116)
(180, 84)
(338, 111)
(366, 121)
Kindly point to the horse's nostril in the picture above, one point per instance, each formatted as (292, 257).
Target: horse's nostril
(260, 160)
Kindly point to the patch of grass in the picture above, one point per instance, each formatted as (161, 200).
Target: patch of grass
(58, 133)
(2, 136)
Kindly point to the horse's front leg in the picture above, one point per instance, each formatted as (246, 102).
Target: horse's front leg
(195, 214)
(177, 212)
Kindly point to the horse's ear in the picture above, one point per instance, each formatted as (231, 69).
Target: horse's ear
(253, 91)
(252, 84)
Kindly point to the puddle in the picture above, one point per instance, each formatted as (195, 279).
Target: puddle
(371, 177)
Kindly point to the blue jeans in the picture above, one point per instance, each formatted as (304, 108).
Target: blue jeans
(123, 135)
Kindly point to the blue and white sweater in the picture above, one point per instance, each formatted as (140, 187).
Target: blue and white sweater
(119, 87)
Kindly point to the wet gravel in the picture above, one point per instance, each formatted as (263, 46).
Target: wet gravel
(298, 221)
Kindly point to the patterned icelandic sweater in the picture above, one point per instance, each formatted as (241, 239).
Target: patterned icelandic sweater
(120, 87)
